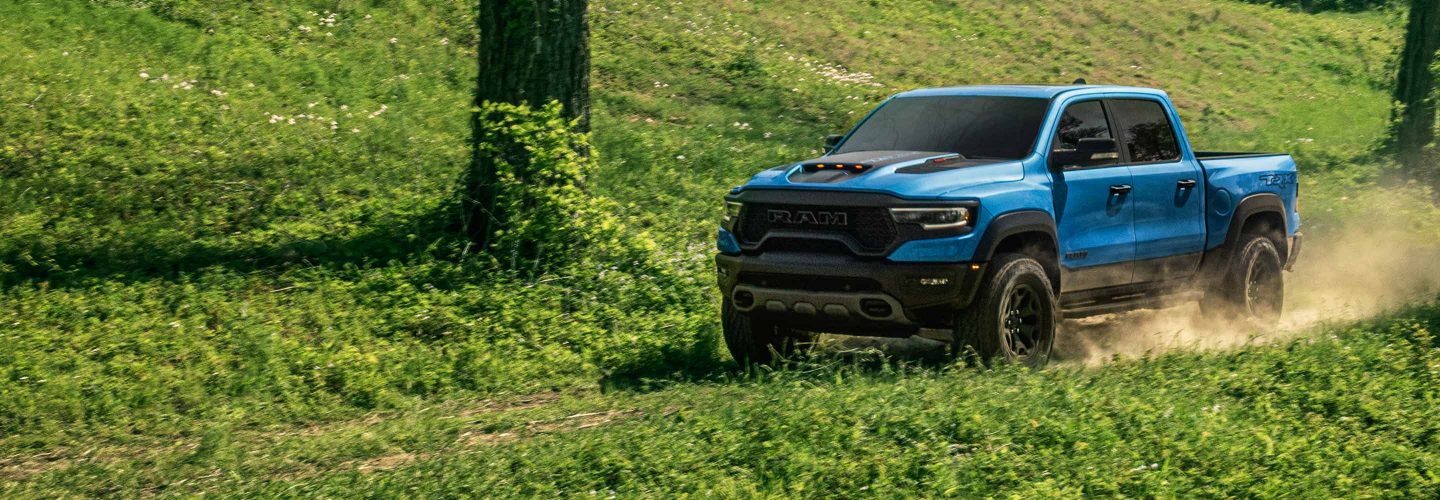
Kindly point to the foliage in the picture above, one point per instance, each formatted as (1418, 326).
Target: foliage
(550, 222)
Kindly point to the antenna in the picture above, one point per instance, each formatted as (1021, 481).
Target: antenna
(1079, 81)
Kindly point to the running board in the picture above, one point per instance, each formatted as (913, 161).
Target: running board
(1125, 303)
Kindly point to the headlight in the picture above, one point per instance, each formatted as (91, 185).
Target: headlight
(933, 218)
(732, 214)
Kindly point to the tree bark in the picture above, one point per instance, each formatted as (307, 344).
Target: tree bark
(1415, 85)
(530, 52)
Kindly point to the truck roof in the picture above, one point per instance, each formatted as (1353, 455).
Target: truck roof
(1037, 91)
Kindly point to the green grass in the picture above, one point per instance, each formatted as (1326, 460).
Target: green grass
(1348, 410)
(208, 298)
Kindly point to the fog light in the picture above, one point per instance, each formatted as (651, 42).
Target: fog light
(744, 299)
(876, 308)
(934, 281)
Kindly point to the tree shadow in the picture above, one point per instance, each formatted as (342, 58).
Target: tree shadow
(435, 234)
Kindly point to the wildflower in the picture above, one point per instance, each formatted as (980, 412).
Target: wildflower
(344, 107)
(276, 118)
(444, 41)
(304, 28)
(311, 105)
(367, 17)
(144, 75)
(394, 40)
(290, 121)
(217, 92)
(354, 130)
(679, 157)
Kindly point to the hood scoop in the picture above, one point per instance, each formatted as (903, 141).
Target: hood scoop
(837, 168)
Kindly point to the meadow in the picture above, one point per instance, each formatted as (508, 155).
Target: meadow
(228, 261)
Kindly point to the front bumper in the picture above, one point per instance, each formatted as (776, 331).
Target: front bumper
(842, 294)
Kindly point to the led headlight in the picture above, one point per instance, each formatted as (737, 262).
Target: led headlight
(933, 218)
(732, 214)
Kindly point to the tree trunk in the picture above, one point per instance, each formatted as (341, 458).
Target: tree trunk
(1415, 86)
(530, 52)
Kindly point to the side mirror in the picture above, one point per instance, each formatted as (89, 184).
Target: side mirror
(1089, 152)
(831, 141)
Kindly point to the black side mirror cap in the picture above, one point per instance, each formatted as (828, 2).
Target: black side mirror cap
(1097, 145)
(831, 141)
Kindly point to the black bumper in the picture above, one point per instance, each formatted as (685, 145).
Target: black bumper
(841, 294)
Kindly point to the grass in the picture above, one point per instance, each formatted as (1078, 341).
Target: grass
(197, 295)
(1349, 409)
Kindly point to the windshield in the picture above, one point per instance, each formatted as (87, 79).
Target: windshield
(980, 127)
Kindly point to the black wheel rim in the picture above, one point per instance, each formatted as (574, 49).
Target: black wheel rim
(1263, 288)
(1022, 323)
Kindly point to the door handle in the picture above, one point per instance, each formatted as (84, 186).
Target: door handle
(1120, 189)
(1187, 183)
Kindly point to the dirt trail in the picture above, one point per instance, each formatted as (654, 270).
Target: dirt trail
(23, 466)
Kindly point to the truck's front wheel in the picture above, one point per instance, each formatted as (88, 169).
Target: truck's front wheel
(1014, 316)
(1252, 289)
(753, 339)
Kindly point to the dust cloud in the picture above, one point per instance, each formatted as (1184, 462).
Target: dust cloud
(1343, 274)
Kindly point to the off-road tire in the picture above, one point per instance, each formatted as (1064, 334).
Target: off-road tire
(1252, 290)
(753, 339)
(1013, 318)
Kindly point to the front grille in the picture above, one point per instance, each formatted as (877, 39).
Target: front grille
(870, 227)
(810, 283)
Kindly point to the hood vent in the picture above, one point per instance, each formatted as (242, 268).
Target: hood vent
(837, 168)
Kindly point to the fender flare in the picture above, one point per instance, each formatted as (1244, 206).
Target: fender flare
(1252, 205)
(1013, 223)
(1217, 260)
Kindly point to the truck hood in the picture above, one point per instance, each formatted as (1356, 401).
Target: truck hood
(907, 174)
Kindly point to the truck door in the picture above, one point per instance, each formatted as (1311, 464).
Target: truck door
(1094, 214)
(1168, 195)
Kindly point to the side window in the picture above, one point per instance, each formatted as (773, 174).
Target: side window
(1146, 130)
(1084, 120)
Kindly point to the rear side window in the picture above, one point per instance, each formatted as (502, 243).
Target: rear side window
(1146, 130)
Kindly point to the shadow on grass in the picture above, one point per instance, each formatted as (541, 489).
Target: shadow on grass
(433, 234)
(863, 355)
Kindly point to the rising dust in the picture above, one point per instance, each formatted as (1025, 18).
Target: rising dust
(1341, 275)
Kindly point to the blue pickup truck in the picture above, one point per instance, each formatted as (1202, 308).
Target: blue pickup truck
(980, 215)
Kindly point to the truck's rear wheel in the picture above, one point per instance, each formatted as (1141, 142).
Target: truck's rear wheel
(1252, 289)
(753, 339)
(1014, 316)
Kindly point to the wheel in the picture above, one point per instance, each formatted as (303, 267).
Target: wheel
(753, 339)
(1252, 290)
(1014, 316)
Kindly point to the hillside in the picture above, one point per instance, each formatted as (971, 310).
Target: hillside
(226, 266)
